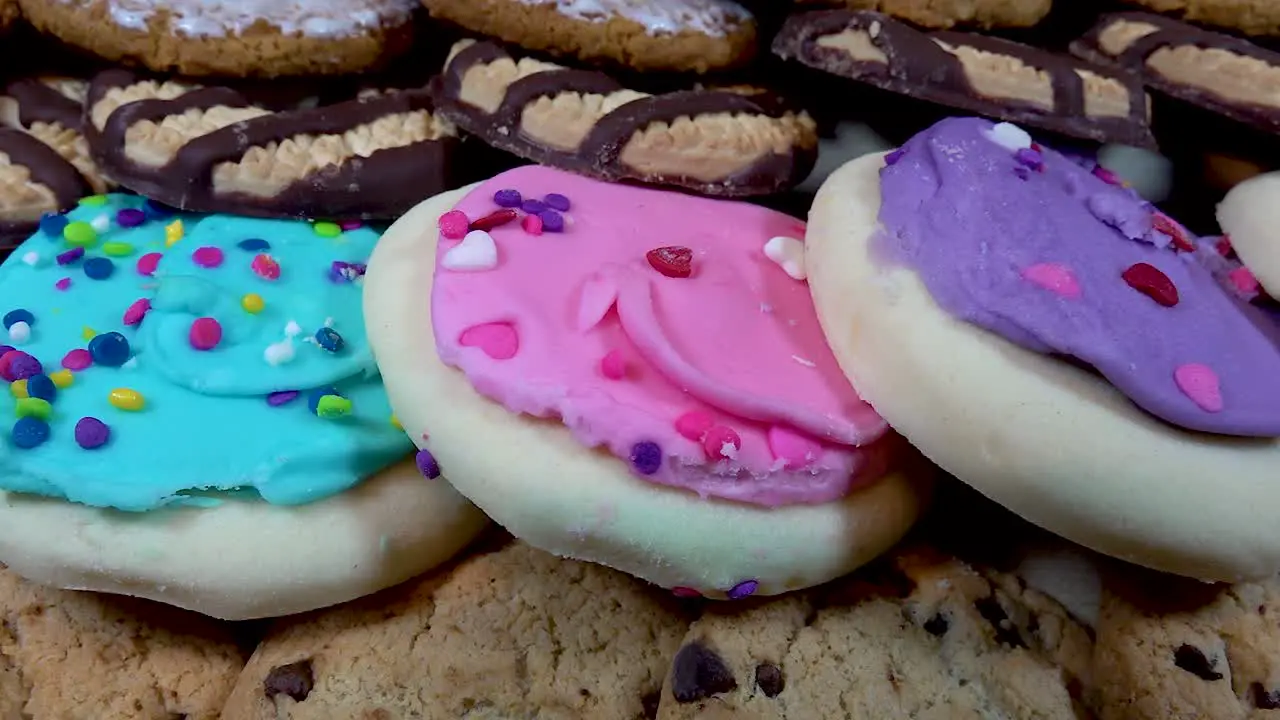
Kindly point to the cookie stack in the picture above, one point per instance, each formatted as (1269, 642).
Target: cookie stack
(279, 360)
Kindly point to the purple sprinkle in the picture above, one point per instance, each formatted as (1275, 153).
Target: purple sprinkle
(552, 221)
(893, 157)
(1030, 158)
(556, 201)
(91, 433)
(349, 225)
(276, 399)
(746, 588)
(63, 284)
(24, 366)
(508, 198)
(427, 465)
(70, 256)
(646, 457)
(533, 207)
(128, 218)
(341, 271)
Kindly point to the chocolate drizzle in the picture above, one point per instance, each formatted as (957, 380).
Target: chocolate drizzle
(919, 66)
(599, 154)
(40, 103)
(47, 168)
(1172, 34)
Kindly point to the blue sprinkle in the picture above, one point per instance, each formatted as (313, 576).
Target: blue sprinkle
(99, 268)
(52, 224)
(427, 465)
(556, 201)
(507, 198)
(155, 210)
(17, 316)
(646, 457)
(313, 399)
(254, 245)
(109, 349)
(744, 589)
(330, 340)
(552, 221)
(29, 432)
(41, 386)
(281, 397)
(533, 207)
(70, 256)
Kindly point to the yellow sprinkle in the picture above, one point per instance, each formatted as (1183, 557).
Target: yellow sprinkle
(62, 378)
(252, 303)
(88, 333)
(117, 249)
(395, 423)
(173, 232)
(18, 388)
(126, 399)
(34, 407)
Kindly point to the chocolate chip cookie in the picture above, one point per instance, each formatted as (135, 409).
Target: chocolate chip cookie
(68, 655)
(1177, 649)
(921, 634)
(508, 633)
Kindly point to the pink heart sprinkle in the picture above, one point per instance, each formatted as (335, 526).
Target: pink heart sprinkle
(1055, 278)
(1200, 383)
(794, 449)
(498, 340)
(694, 424)
(613, 366)
(148, 263)
(77, 359)
(207, 257)
(721, 442)
(1244, 281)
(135, 312)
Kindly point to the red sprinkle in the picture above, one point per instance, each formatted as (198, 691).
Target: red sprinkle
(134, 313)
(714, 442)
(148, 263)
(685, 592)
(205, 333)
(494, 219)
(532, 224)
(672, 261)
(77, 359)
(1149, 281)
(1166, 225)
(613, 365)
(453, 224)
(1223, 246)
(266, 267)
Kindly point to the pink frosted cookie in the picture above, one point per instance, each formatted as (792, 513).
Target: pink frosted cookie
(637, 378)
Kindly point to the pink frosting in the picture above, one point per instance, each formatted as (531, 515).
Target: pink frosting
(720, 382)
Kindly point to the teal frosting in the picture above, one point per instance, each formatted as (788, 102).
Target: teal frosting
(207, 426)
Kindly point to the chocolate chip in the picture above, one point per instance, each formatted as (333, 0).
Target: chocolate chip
(649, 704)
(937, 625)
(698, 673)
(1264, 699)
(769, 679)
(1006, 632)
(1193, 660)
(294, 680)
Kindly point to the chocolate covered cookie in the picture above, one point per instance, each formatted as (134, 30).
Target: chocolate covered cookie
(972, 73)
(210, 149)
(949, 13)
(715, 142)
(920, 634)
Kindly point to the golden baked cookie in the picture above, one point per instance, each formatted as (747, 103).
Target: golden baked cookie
(1252, 17)
(237, 38)
(648, 35)
(8, 14)
(950, 13)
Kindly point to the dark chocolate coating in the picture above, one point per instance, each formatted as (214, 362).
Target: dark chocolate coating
(1174, 33)
(384, 185)
(598, 154)
(47, 168)
(37, 102)
(919, 68)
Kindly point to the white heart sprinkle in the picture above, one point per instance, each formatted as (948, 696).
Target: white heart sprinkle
(292, 329)
(19, 333)
(1010, 137)
(31, 258)
(477, 251)
(788, 253)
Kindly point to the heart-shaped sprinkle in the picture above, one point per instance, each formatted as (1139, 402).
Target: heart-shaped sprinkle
(694, 424)
(1166, 225)
(793, 449)
(1009, 136)
(1148, 280)
(788, 253)
(672, 261)
(721, 442)
(498, 340)
(1055, 278)
(477, 251)
(1200, 383)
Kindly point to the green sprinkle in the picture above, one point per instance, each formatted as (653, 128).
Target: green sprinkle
(80, 233)
(94, 201)
(33, 407)
(117, 249)
(333, 406)
(327, 229)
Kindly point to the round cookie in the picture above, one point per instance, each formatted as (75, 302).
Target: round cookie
(1052, 442)
(1249, 215)
(647, 35)
(917, 634)
(511, 633)
(195, 395)
(951, 13)
(1252, 17)
(241, 38)
(568, 434)
(77, 655)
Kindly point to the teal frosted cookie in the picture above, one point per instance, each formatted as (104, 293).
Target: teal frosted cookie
(212, 369)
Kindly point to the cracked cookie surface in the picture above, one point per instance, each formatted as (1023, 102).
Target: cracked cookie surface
(67, 655)
(1252, 17)
(506, 634)
(945, 14)
(920, 634)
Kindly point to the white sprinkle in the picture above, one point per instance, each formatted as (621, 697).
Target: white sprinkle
(19, 333)
(102, 223)
(279, 353)
(1010, 137)
(32, 258)
(476, 252)
(293, 329)
(729, 450)
(788, 253)
(804, 362)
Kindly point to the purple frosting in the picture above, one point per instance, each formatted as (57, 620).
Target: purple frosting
(970, 217)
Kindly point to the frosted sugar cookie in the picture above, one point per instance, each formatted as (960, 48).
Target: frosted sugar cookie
(636, 378)
(192, 415)
(1249, 215)
(1046, 336)
(236, 38)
